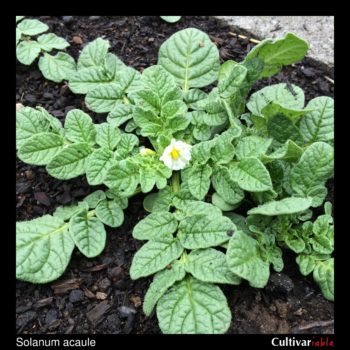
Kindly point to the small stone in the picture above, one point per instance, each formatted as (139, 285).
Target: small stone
(94, 18)
(30, 98)
(150, 40)
(77, 40)
(308, 72)
(76, 295)
(280, 284)
(101, 296)
(125, 311)
(51, 316)
(48, 95)
(67, 19)
(19, 106)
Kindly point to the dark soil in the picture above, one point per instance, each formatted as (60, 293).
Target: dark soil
(97, 295)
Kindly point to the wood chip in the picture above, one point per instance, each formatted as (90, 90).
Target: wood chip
(98, 311)
(97, 268)
(316, 324)
(67, 285)
(43, 302)
(88, 293)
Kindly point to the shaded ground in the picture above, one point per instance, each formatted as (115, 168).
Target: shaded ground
(97, 295)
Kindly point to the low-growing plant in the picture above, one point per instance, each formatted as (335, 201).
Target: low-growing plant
(53, 67)
(171, 19)
(236, 177)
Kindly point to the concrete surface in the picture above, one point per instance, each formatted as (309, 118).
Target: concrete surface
(317, 30)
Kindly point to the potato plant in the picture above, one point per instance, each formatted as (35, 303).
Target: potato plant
(230, 179)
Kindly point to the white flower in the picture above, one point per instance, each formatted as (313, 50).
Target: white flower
(177, 155)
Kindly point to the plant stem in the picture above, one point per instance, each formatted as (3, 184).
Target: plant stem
(126, 100)
(175, 182)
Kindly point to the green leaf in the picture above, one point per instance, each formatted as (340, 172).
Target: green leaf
(243, 259)
(27, 51)
(324, 276)
(199, 180)
(306, 263)
(226, 188)
(186, 208)
(43, 249)
(158, 88)
(155, 226)
(274, 108)
(231, 80)
(279, 93)
(209, 265)
(120, 114)
(110, 213)
(88, 234)
(148, 121)
(18, 36)
(18, 18)
(280, 128)
(239, 221)
(98, 164)
(155, 256)
(289, 152)
(93, 54)
(193, 307)
(201, 152)
(318, 125)
(290, 205)
(122, 176)
(94, 198)
(191, 57)
(162, 281)
(171, 19)
(160, 201)
(278, 53)
(322, 244)
(32, 27)
(51, 41)
(314, 167)
(113, 65)
(105, 97)
(79, 127)
(40, 148)
(113, 193)
(57, 68)
(252, 147)
(126, 145)
(202, 132)
(70, 162)
(223, 151)
(107, 135)
(221, 204)
(251, 175)
(66, 212)
(201, 231)
(29, 122)
(191, 97)
(87, 79)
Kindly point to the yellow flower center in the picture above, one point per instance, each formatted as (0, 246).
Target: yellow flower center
(175, 154)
